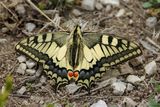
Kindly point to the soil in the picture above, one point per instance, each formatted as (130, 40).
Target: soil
(130, 26)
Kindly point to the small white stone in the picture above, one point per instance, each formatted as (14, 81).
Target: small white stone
(129, 87)
(58, 105)
(98, 6)
(119, 87)
(3, 41)
(25, 102)
(120, 13)
(127, 1)
(20, 9)
(143, 78)
(43, 79)
(30, 27)
(128, 102)
(151, 22)
(30, 71)
(4, 29)
(130, 21)
(88, 4)
(133, 79)
(22, 90)
(30, 64)
(21, 69)
(143, 103)
(100, 103)
(112, 2)
(151, 68)
(41, 102)
(72, 88)
(108, 8)
(21, 59)
(76, 12)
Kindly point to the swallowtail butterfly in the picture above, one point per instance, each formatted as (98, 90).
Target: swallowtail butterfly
(82, 57)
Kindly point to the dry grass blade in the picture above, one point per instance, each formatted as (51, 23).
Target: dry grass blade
(34, 6)
(9, 10)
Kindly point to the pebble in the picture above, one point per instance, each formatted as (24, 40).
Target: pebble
(22, 90)
(108, 8)
(30, 27)
(30, 71)
(98, 6)
(43, 79)
(100, 103)
(21, 59)
(21, 69)
(30, 64)
(118, 87)
(129, 87)
(57, 105)
(36, 99)
(25, 103)
(20, 9)
(120, 13)
(128, 102)
(151, 22)
(112, 2)
(3, 41)
(151, 68)
(76, 12)
(39, 71)
(130, 21)
(143, 103)
(4, 29)
(133, 79)
(41, 102)
(72, 88)
(88, 4)
(127, 1)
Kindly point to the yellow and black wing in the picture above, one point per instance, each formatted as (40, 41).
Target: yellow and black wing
(101, 51)
(50, 50)
(83, 57)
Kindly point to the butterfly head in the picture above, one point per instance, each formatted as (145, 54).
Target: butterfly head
(76, 32)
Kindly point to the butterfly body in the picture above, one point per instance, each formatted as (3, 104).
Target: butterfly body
(82, 57)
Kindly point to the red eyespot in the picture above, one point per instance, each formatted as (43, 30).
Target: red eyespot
(75, 74)
(70, 74)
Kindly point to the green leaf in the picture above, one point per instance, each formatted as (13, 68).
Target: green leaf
(7, 89)
(50, 105)
(147, 5)
(153, 103)
(157, 88)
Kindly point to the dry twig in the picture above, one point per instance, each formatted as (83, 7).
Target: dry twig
(34, 6)
(9, 10)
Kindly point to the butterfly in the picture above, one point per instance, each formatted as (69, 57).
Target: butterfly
(77, 56)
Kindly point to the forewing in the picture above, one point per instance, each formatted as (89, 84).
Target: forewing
(100, 52)
(50, 50)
